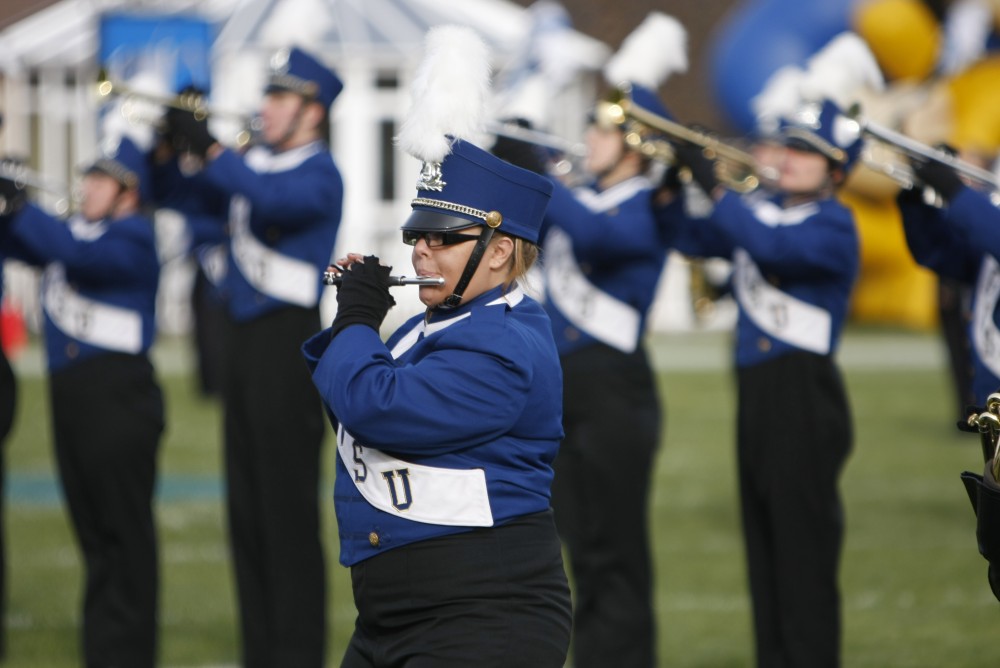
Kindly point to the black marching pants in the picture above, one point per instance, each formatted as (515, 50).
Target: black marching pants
(8, 404)
(794, 436)
(489, 598)
(108, 418)
(611, 415)
(273, 438)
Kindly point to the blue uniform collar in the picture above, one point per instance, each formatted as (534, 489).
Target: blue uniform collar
(437, 315)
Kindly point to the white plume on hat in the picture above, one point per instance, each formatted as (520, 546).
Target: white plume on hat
(840, 70)
(652, 52)
(449, 93)
(780, 97)
(301, 22)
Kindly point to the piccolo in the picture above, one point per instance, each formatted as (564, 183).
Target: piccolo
(333, 278)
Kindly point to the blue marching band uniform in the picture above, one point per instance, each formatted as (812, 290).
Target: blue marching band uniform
(794, 268)
(99, 296)
(446, 435)
(284, 210)
(957, 240)
(604, 251)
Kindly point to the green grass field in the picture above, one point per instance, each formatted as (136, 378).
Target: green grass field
(914, 587)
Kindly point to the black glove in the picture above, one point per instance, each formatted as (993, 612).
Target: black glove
(938, 176)
(702, 169)
(363, 296)
(12, 198)
(189, 133)
(985, 497)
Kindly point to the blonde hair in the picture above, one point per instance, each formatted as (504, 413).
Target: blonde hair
(521, 260)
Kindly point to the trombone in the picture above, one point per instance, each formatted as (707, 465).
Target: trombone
(735, 167)
(982, 178)
(191, 102)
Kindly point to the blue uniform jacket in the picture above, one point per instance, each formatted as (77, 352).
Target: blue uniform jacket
(289, 204)
(99, 289)
(618, 248)
(477, 391)
(802, 262)
(959, 242)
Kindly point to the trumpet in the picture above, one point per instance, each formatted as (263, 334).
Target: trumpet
(982, 178)
(334, 278)
(191, 102)
(735, 167)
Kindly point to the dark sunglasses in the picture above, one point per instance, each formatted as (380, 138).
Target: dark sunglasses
(436, 239)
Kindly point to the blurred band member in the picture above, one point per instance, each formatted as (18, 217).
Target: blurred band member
(603, 252)
(795, 258)
(284, 210)
(98, 295)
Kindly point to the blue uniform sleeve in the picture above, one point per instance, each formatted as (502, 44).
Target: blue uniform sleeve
(829, 245)
(468, 390)
(936, 244)
(975, 215)
(125, 251)
(294, 202)
(694, 237)
(626, 233)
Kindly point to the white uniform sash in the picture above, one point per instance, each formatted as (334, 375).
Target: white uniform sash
(602, 316)
(276, 275)
(781, 315)
(985, 335)
(428, 494)
(84, 319)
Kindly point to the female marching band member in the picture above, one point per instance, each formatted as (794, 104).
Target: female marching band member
(603, 254)
(446, 432)
(98, 295)
(795, 258)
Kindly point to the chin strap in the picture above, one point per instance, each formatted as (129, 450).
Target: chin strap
(455, 298)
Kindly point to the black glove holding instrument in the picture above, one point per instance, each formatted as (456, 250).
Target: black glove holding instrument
(937, 175)
(12, 198)
(702, 169)
(363, 296)
(189, 133)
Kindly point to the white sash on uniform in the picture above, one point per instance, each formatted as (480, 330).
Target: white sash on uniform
(591, 310)
(272, 273)
(84, 319)
(428, 494)
(781, 315)
(985, 335)
(602, 316)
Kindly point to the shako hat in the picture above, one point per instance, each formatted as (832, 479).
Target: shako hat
(295, 70)
(461, 185)
(822, 127)
(123, 161)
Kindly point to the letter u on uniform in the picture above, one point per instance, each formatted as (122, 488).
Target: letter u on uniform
(404, 477)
